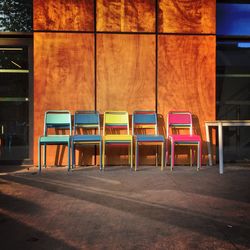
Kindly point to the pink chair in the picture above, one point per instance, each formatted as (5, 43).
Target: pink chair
(177, 121)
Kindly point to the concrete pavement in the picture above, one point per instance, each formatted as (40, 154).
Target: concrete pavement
(123, 209)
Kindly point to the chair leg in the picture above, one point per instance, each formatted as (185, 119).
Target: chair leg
(199, 155)
(69, 155)
(191, 156)
(131, 155)
(44, 155)
(129, 158)
(136, 155)
(103, 155)
(73, 155)
(162, 156)
(172, 155)
(39, 157)
(156, 156)
(100, 153)
(166, 154)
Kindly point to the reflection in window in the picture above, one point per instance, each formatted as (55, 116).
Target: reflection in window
(16, 15)
(233, 96)
(14, 103)
(13, 58)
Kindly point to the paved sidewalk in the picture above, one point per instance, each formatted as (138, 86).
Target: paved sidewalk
(122, 209)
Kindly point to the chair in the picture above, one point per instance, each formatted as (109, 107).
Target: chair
(176, 121)
(113, 124)
(58, 120)
(87, 121)
(142, 120)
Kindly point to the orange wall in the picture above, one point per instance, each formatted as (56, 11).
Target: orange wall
(129, 15)
(63, 76)
(64, 62)
(70, 15)
(188, 16)
(187, 77)
(121, 69)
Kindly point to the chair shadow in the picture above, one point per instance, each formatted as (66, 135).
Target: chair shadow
(197, 130)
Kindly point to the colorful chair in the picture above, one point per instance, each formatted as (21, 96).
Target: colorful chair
(87, 121)
(55, 120)
(176, 121)
(113, 123)
(142, 121)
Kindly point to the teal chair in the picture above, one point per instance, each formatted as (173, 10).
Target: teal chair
(55, 120)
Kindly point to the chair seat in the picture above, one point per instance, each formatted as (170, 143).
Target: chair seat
(86, 138)
(117, 138)
(149, 138)
(185, 138)
(54, 139)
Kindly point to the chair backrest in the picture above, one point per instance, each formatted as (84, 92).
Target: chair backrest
(116, 120)
(179, 120)
(144, 119)
(87, 119)
(58, 119)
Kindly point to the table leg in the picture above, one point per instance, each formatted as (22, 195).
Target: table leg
(208, 146)
(220, 148)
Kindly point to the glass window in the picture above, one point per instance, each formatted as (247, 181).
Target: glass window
(233, 96)
(233, 18)
(14, 103)
(233, 75)
(16, 15)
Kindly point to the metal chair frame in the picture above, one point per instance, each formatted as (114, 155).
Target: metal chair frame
(184, 139)
(117, 120)
(57, 119)
(147, 119)
(87, 120)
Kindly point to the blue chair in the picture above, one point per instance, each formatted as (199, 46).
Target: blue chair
(55, 120)
(87, 121)
(141, 122)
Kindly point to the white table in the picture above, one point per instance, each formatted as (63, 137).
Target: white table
(220, 124)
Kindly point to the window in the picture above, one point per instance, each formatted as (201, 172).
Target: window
(233, 76)
(16, 15)
(15, 100)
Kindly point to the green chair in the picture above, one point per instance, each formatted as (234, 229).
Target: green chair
(55, 120)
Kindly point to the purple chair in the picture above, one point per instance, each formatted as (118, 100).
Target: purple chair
(176, 122)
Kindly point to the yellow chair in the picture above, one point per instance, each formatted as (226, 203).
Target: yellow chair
(114, 122)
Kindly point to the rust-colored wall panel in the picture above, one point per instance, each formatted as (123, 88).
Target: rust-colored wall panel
(125, 72)
(185, 16)
(63, 77)
(74, 15)
(125, 76)
(187, 77)
(129, 15)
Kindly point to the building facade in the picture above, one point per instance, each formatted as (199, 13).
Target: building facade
(110, 55)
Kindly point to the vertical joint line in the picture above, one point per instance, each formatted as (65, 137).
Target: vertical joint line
(156, 55)
(95, 57)
(95, 74)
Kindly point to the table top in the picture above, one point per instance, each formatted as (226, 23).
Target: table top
(228, 123)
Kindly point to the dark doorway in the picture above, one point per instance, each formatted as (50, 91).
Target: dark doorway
(16, 100)
(233, 96)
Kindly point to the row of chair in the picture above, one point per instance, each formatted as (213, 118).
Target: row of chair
(87, 130)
